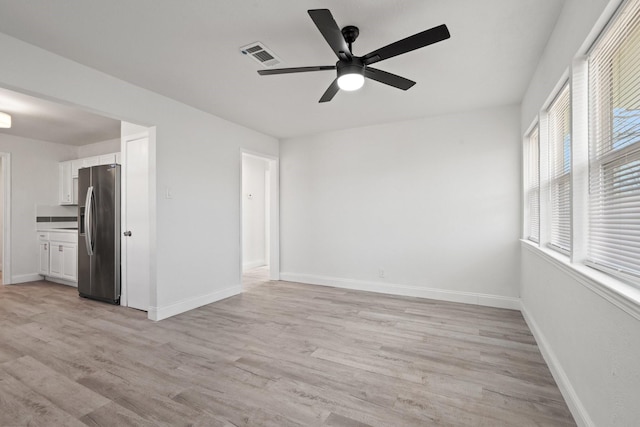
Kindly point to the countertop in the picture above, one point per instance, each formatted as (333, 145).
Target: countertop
(58, 230)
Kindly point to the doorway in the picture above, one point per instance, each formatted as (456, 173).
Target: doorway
(5, 218)
(259, 224)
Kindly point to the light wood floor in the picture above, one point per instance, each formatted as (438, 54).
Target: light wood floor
(281, 354)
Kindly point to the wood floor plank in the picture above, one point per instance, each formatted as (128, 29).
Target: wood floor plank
(63, 392)
(280, 354)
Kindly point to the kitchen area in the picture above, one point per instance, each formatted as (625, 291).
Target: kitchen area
(62, 168)
(57, 226)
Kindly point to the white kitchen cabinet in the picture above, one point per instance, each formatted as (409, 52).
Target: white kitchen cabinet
(43, 253)
(68, 175)
(87, 162)
(107, 159)
(58, 253)
(65, 184)
(75, 166)
(63, 260)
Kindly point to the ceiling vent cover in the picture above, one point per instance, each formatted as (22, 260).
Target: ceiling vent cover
(261, 54)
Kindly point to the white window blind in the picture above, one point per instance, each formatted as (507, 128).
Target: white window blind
(560, 171)
(532, 156)
(614, 145)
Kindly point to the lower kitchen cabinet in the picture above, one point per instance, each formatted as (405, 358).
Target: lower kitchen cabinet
(58, 253)
(63, 261)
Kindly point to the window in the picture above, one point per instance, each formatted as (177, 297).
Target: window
(614, 146)
(532, 182)
(560, 171)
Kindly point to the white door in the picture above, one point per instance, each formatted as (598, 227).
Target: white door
(135, 221)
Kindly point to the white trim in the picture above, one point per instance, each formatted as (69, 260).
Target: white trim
(24, 278)
(487, 300)
(7, 278)
(579, 412)
(618, 293)
(579, 159)
(61, 281)
(159, 313)
(253, 264)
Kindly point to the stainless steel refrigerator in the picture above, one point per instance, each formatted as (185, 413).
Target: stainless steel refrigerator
(99, 233)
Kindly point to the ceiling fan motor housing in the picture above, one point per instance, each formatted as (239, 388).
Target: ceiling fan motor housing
(355, 66)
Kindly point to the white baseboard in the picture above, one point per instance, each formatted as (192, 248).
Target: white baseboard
(576, 407)
(487, 300)
(61, 281)
(23, 278)
(253, 264)
(159, 313)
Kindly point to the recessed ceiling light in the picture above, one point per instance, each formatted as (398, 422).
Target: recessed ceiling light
(5, 120)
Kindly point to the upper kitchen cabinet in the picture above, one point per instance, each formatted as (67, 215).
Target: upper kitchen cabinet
(68, 175)
(65, 184)
(75, 166)
(107, 159)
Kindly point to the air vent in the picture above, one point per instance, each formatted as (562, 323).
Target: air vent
(261, 54)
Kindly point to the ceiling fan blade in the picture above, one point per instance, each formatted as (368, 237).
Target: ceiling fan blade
(330, 92)
(416, 41)
(388, 78)
(296, 70)
(330, 30)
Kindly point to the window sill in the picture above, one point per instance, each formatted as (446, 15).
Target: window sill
(620, 294)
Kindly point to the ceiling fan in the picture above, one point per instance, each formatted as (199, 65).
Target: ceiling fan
(353, 69)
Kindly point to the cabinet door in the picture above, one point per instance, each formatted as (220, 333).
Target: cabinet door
(43, 254)
(75, 165)
(90, 161)
(70, 262)
(65, 184)
(118, 158)
(63, 261)
(107, 159)
(56, 259)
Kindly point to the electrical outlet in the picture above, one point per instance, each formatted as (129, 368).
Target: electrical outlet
(381, 273)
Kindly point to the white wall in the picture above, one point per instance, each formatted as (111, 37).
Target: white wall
(591, 344)
(253, 212)
(197, 232)
(98, 148)
(1, 213)
(433, 202)
(34, 181)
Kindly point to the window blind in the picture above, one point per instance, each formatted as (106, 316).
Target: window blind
(560, 171)
(614, 145)
(533, 185)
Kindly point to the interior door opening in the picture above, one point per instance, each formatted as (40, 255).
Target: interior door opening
(259, 220)
(1, 221)
(5, 219)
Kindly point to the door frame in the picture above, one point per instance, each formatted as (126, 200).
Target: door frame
(7, 278)
(274, 212)
(150, 135)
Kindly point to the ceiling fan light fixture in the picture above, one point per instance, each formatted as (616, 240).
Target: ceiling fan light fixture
(5, 121)
(350, 82)
(350, 77)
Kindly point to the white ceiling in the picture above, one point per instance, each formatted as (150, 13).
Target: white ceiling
(49, 121)
(188, 50)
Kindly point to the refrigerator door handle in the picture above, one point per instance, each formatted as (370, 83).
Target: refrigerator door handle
(88, 238)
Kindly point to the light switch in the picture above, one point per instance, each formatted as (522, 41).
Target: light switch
(169, 193)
